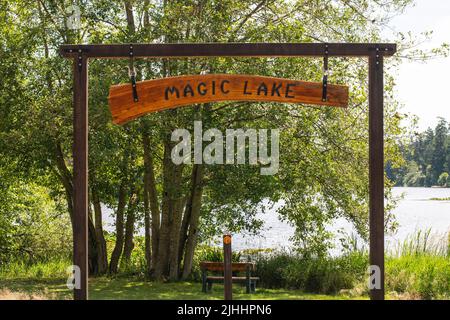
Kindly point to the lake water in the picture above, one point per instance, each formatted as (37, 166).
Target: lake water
(416, 211)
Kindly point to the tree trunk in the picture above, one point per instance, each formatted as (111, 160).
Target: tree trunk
(130, 17)
(129, 228)
(175, 226)
(65, 177)
(150, 185)
(92, 246)
(147, 226)
(147, 220)
(195, 209)
(162, 261)
(117, 251)
(184, 228)
(148, 176)
(171, 213)
(196, 183)
(102, 259)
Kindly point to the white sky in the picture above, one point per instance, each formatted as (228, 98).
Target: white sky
(423, 88)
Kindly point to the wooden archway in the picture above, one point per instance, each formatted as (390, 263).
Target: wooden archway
(80, 54)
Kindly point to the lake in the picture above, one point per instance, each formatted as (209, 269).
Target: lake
(414, 212)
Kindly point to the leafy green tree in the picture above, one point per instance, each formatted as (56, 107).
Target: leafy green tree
(440, 150)
(427, 152)
(443, 180)
(33, 225)
(414, 177)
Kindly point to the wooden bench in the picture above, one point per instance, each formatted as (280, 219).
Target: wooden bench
(247, 267)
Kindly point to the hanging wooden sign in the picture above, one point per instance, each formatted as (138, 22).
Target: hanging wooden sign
(167, 93)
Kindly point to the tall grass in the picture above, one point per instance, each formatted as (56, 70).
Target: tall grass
(50, 269)
(421, 276)
(423, 242)
(419, 267)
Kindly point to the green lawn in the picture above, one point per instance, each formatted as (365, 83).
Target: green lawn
(123, 288)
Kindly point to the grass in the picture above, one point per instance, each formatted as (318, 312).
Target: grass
(423, 242)
(423, 276)
(53, 269)
(128, 288)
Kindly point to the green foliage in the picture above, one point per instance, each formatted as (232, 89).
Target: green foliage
(420, 267)
(423, 276)
(443, 180)
(414, 177)
(417, 268)
(319, 274)
(428, 159)
(49, 269)
(137, 264)
(33, 226)
(214, 254)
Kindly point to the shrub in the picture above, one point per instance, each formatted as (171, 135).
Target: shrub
(270, 269)
(311, 274)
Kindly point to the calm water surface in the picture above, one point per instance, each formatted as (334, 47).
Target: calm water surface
(416, 211)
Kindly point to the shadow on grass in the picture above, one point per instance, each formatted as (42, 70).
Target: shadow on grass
(133, 289)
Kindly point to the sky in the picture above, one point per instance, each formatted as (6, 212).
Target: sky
(423, 88)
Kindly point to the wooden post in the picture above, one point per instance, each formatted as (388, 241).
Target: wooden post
(227, 270)
(376, 170)
(80, 173)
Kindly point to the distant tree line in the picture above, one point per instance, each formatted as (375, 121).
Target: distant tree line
(427, 159)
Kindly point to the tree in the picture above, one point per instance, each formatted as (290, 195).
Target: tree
(443, 180)
(440, 151)
(414, 177)
(426, 156)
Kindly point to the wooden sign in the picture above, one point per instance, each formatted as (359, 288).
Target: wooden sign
(167, 93)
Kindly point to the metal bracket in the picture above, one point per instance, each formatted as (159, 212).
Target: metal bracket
(377, 56)
(80, 59)
(132, 74)
(325, 75)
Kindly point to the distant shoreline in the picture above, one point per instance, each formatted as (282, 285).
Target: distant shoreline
(416, 187)
(440, 199)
